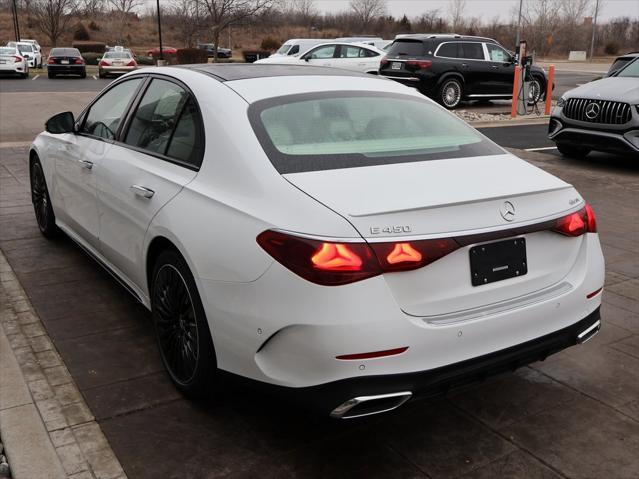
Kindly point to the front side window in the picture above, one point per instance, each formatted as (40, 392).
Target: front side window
(326, 131)
(322, 52)
(472, 51)
(105, 115)
(497, 53)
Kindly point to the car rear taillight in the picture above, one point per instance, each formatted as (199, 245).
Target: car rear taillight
(410, 255)
(419, 64)
(577, 223)
(50, 61)
(79, 61)
(321, 262)
(383, 61)
(104, 63)
(17, 59)
(131, 63)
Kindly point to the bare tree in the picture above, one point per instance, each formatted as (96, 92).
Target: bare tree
(223, 13)
(457, 10)
(573, 13)
(123, 10)
(183, 16)
(367, 10)
(542, 18)
(52, 17)
(92, 8)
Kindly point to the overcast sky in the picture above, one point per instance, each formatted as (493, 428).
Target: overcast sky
(487, 9)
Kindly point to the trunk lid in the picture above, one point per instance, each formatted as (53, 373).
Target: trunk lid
(452, 198)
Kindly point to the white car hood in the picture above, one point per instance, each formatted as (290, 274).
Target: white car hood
(612, 88)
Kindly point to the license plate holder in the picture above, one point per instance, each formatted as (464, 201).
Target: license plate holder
(396, 66)
(498, 261)
(64, 62)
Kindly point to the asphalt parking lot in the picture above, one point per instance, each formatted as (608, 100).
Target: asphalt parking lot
(574, 415)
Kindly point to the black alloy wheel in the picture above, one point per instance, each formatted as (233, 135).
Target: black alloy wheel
(42, 202)
(181, 329)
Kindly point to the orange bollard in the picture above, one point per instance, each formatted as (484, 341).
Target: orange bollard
(551, 80)
(513, 110)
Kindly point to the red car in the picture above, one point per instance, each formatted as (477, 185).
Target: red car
(155, 52)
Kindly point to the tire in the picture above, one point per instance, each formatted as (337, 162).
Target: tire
(51, 75)
(181, 329)
(101, 75)
(536, 91)
(83, 75)
(25, 75)
(41, 201)
(450, 93)
(572, 151)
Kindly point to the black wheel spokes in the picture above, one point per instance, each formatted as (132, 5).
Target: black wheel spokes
(39, 196)
(176, 325)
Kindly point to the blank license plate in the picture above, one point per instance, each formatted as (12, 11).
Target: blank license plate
(498, 261)
(396, 66)
(65, 62)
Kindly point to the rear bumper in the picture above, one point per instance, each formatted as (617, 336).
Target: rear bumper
(12, 68)
(66, 69)
(325, 398)
(116, 69)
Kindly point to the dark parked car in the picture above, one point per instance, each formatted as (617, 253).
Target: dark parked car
(601, 115)
(452, 68)
(210, 47)
(621, 61)
(65, 61)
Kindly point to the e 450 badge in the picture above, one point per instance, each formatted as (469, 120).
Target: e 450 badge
(378, 230)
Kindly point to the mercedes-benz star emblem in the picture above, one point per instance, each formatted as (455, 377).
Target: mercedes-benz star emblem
(507, 211)
(592, 111)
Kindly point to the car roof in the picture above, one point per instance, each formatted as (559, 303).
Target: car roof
(243, 71)
(442, 36)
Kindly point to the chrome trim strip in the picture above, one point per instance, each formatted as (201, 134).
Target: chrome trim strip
(478, 95)
(589, 333)
(341, 411)
(400, 78)
(501, 307)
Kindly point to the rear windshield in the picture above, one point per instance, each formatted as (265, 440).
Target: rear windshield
(64, 52)
(117, 55)
(7, 51)
(325, 131)
(408, 48)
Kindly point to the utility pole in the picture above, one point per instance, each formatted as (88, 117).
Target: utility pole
(16, 23)
(521, 2)
(594, 29)
(159, 32)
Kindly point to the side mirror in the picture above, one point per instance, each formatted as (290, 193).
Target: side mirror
(306, 58)
(61, 123)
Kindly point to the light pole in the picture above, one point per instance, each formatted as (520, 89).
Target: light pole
(159, 32)
(16, 24)
(521, 2)
(594, 28)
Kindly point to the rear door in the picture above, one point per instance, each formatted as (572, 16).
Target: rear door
(478, 74)
(158, 153)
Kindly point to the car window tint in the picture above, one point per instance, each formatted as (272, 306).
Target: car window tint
(349, 52)
(323, 52)
(448, 50)
(185, 144)
(631, 70)
(120, 55)
(409, 48)
(367, 53)
(294, 50)
(472, 51)
(106, 113)
(156, 116)
(497, 53)
(618, 64)
(7, 51)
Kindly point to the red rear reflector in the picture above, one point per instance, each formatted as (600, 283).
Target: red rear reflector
(578, 223)
(336, 256)
(594, 293)
(375, 354)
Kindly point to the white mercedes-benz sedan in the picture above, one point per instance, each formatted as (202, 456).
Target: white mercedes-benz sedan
(333, 235)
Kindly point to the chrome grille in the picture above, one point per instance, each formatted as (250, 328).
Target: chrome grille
(597, 111)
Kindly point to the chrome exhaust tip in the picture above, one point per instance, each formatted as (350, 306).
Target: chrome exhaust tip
(589, 333)
(368, 405)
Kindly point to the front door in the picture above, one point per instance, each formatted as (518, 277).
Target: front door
(321, 56)
(158, 154)
(503, 69)
(78, 158)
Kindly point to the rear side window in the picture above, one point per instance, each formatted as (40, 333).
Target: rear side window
(408, 48)
(472, 51)
(166, 122)
(448, 50)
(325, 131)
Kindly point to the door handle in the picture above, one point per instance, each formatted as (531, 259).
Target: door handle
(464, 65)
(494, 66)
(142, 191)
(86, 163)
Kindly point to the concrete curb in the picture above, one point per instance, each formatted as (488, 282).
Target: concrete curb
(47, 429)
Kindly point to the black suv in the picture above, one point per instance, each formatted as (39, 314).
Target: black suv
(452, 68)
